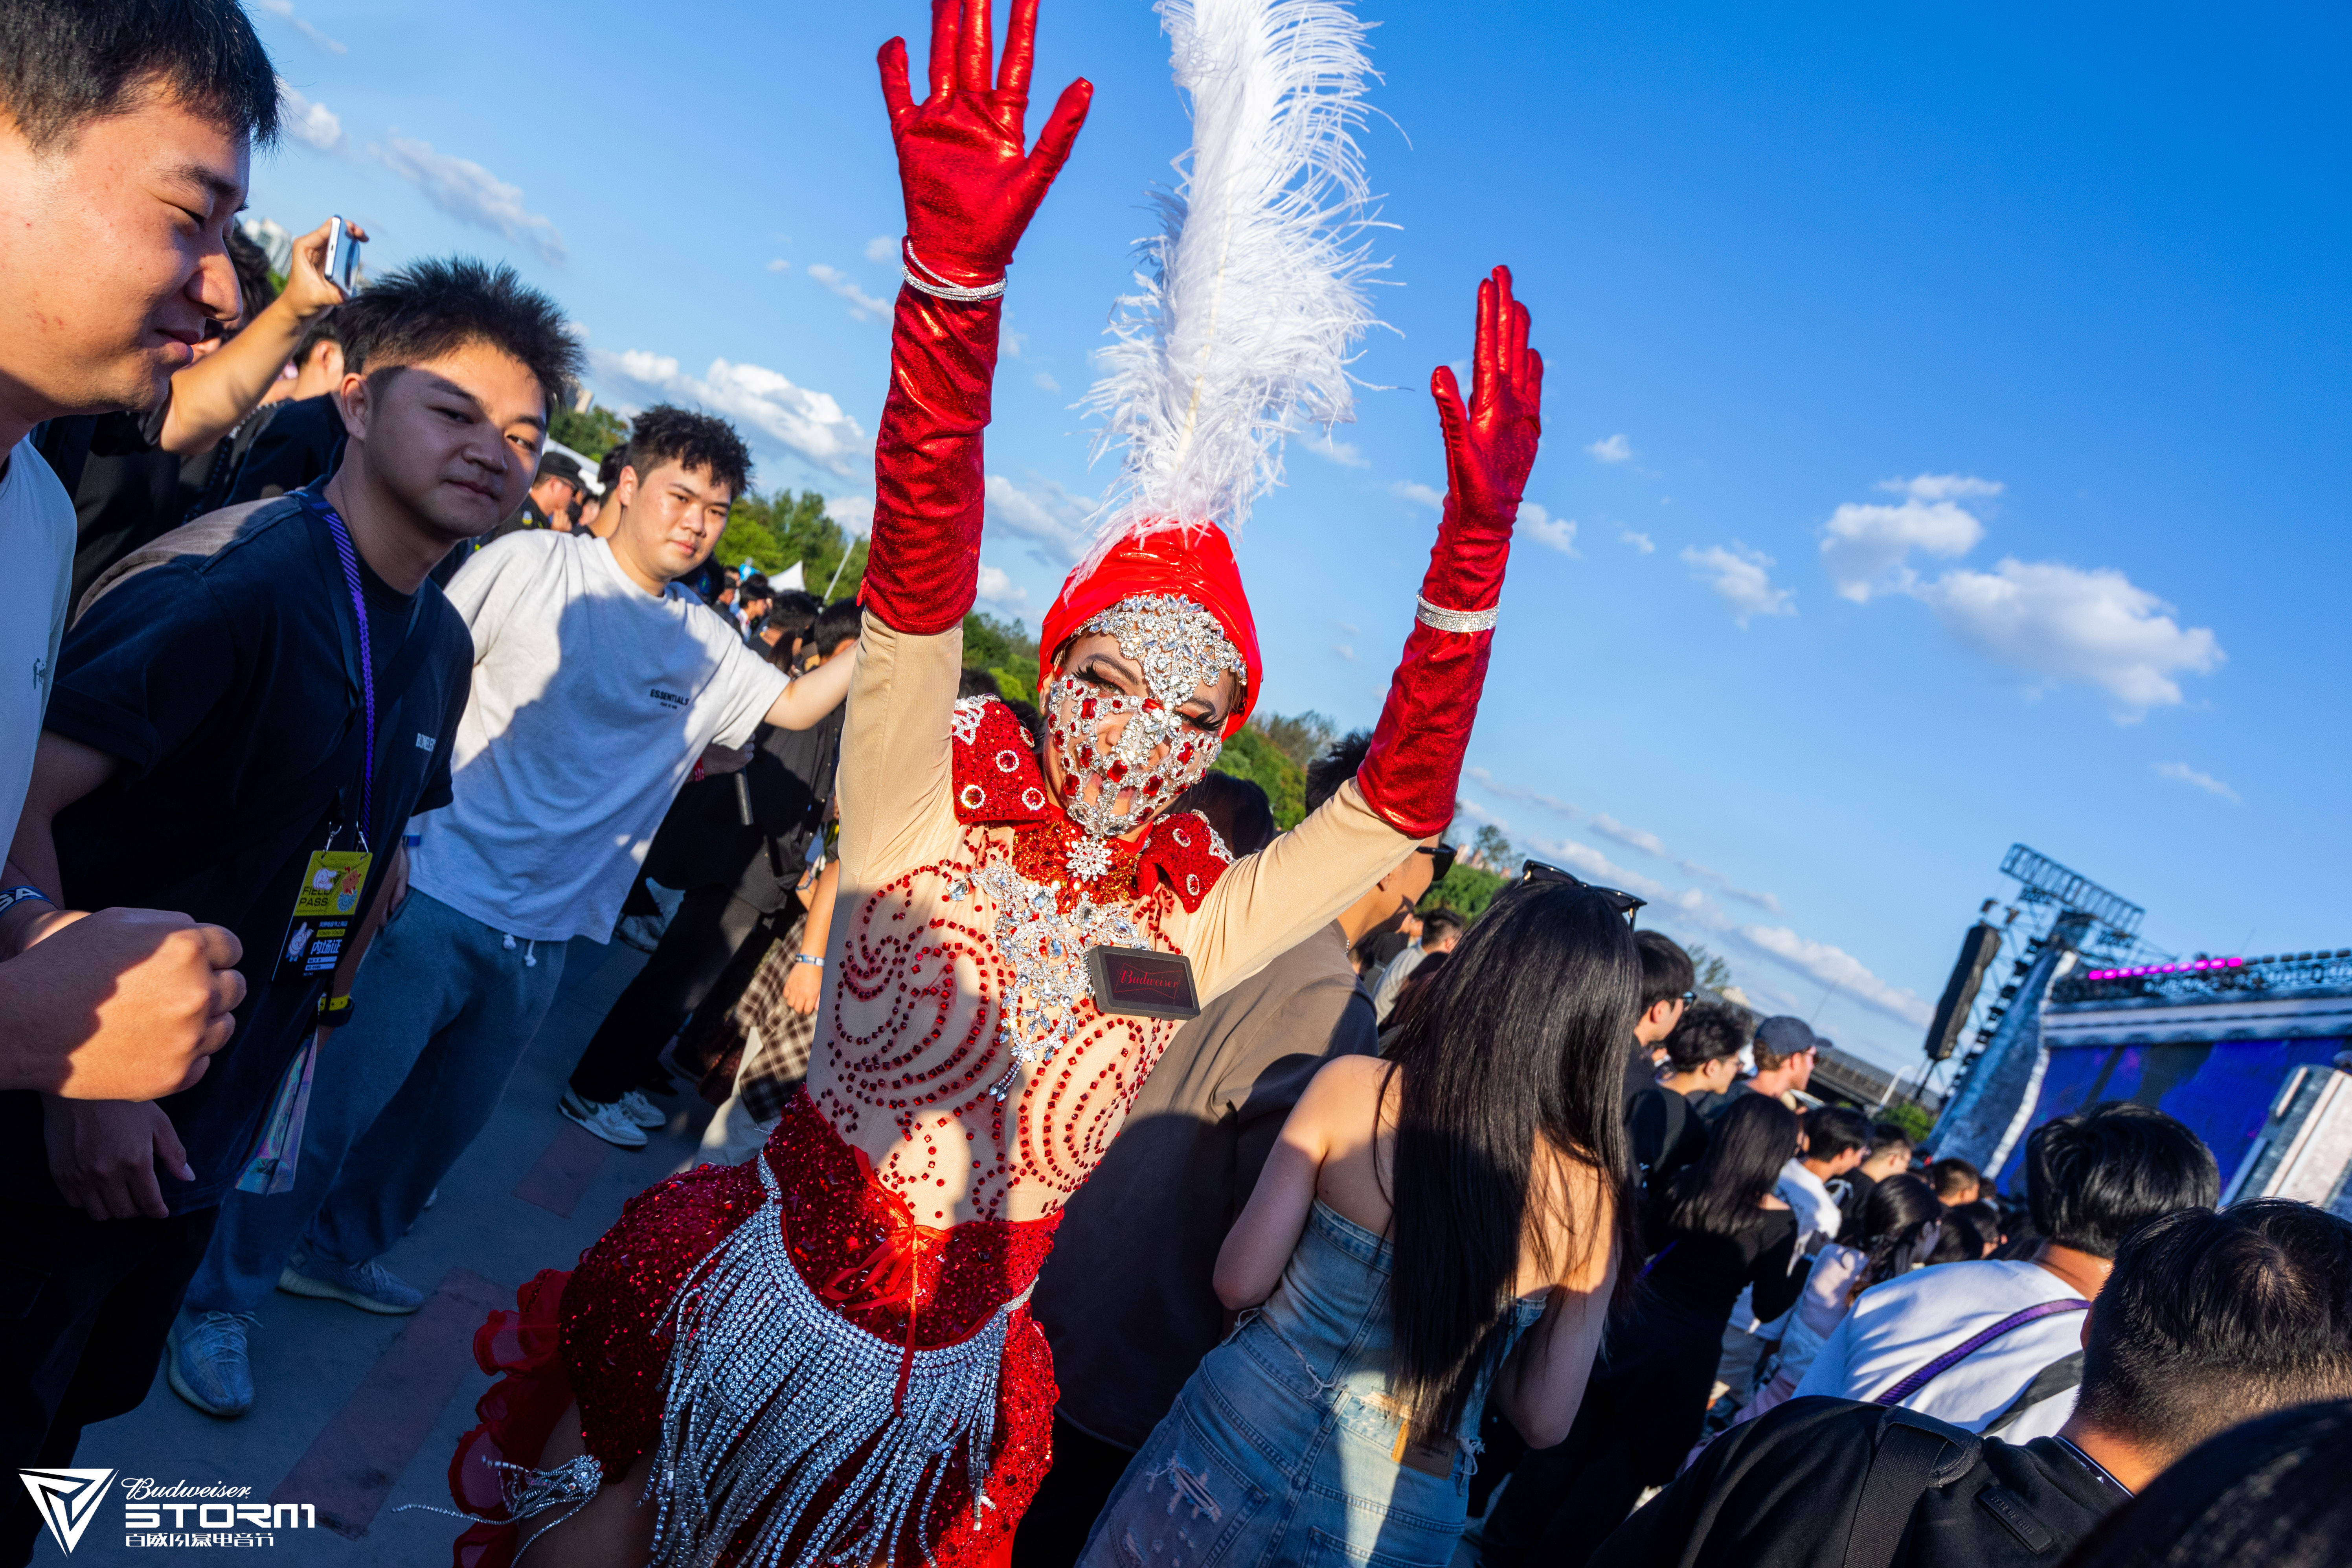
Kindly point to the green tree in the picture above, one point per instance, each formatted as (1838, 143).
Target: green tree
(1004, 650)
(592, 434)
(1466, 888)
(1714, 970)
(1301, 737)
(1250, 753)
(1912, 1119)
(774, 531)
(1495, 850)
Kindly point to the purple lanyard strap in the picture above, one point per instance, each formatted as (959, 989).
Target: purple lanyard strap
(367, 658)
(1973, 1344)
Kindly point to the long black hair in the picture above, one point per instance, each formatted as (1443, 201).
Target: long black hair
(1523, 1035)
(1894, 1222)
(1719, 1193)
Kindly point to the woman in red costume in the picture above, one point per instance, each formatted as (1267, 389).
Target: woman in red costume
(825, 1355)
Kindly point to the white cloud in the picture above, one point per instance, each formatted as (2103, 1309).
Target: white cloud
(1632, 837)
(1610, 449)
(2044, 618)
(854, 513)
(1419, 494)
(863, 307)
(2181, 773)
(1009, 342)
(1346, 454)
(1867, 548)
(1559, 533)
(1344, 651)
(2056, 622)
(311, 123)
(808, 424)
(1045, 383)
(471, 193)
(1493, 785)
(284, 10)
(1835, 966)
(780, 265)
(1688, 905)
(998, 589)
(882, 248)
(1650, 844)
(1640, 541)
(1741, 577)
(1054, 522)
(1942, 487)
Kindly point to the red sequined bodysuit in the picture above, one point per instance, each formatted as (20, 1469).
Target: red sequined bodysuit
(825, 1352)
(957, 1036)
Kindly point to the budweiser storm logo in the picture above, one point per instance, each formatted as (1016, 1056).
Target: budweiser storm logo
(67, 1500)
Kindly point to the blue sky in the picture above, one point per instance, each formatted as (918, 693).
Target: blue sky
(1949, 405)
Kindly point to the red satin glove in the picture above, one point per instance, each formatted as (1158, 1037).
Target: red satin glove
(970, 189)
(970, 192)
(1410, 775)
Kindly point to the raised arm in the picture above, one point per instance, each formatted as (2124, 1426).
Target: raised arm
(1415, 761)
(970, 190)
(210, 396)
(806, 701)
(1404, 791)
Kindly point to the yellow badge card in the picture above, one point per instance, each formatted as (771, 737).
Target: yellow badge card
(326, 906)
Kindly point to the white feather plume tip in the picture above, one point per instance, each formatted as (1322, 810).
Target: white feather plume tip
(1252, 296)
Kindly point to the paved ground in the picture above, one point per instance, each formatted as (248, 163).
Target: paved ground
(359, 1414)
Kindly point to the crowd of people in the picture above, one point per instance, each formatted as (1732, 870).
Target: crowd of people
(1096, 1174)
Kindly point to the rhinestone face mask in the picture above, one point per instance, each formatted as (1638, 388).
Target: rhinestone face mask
(1182, 648)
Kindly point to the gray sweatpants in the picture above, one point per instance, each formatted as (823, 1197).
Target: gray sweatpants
(444, 1007)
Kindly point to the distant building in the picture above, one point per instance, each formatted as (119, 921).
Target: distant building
(2250, 1052)
(275, 242)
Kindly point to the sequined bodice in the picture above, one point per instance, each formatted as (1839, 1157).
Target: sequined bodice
(962, 1051)
(960, 1046)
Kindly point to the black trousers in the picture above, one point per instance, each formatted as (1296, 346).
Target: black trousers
(1054, 1531)
(1564, 1501)
(711, 924)
(85, 1306)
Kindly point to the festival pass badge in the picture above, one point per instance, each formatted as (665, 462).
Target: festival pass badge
(1142, 984)
(325, 910)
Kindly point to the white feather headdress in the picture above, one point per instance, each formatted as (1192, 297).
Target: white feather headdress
(1251, 295)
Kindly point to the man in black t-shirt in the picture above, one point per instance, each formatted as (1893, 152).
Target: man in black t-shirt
(2208, 1320)
(210, 747)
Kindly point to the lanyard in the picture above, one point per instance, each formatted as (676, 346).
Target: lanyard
(350, 561)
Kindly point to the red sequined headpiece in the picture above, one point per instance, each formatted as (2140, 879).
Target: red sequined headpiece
(1194, 561)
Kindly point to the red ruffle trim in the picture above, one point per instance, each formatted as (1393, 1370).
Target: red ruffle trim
(519, 1412)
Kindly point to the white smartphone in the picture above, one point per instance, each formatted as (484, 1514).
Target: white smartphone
(343, 257)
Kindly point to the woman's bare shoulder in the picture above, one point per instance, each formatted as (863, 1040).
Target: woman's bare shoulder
(1345, 1088)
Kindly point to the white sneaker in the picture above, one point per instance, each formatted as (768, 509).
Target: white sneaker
(643, 1112)
(607, 1120)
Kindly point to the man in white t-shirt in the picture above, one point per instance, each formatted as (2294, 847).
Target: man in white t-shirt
(125, 145)
(2090, 1178)
(599, 683)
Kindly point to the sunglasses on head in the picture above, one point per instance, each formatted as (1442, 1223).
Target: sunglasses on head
(1624, 903)
(1440, 858)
